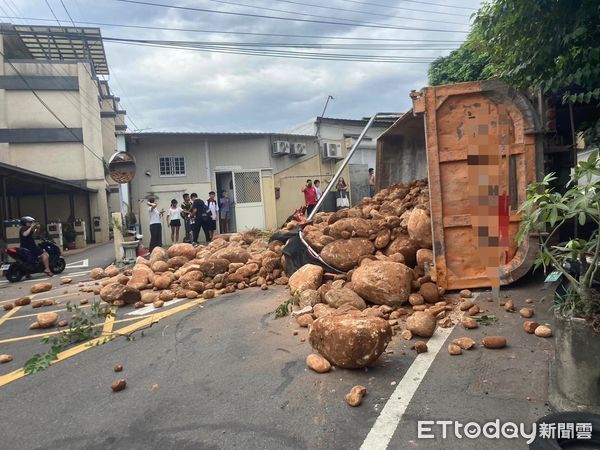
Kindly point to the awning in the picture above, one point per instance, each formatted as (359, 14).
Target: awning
(21, 181)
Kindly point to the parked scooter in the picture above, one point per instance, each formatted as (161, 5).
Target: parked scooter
(26, 263)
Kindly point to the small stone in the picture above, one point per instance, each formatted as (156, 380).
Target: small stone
(118, 368)
(318, 363)
(47, 320)
(83, 302)
(37, 304)
(304, 320)
(528, 300)
(138, 305)
(40, 287)
(494, 342)
(355, 396)
(446, 322)
(264, 287)
(466, 343)
(473, 310)
(295, 332)
(529, 326)
(34, 326)
(158, 303)
(406, 335)
(419, 307)
(62, 323)
(420, 347)
(5, 358)
(416, 299)
(509, 306)
(465, 293)
(526, 312)
(466, 304)
(454, 350)
(8, 306)
(469, 323)
(66, 280)
(22, 301)
(543, 331)
(119, 303)
(119, 385)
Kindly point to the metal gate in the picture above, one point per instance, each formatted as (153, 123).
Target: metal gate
(249, 206)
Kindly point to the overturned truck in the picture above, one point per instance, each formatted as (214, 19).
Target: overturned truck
(476, 145)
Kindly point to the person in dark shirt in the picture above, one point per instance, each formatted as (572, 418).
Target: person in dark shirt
(200, 214)
(28, 227)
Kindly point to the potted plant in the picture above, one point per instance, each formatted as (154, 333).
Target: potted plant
(576, 370)
(69, 235)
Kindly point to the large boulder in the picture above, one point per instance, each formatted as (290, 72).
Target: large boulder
(212, 267)
(194, 275)
(338, 297)
(350, 227)
(247, 270)
(111, 271)
(419, 227)
(350, 341)
(232, 254)
(177, 261)
(118, 291)
(188, 251)
(309, 297)
(160, 266)
(309, 276)
(140, 277)
(344, 254)
(406, 246)
(158, 254)
(383, 282)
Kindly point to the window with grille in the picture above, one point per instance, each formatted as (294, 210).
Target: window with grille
(247, 187)
(172, 166)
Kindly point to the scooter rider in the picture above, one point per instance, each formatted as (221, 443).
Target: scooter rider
(28, 227)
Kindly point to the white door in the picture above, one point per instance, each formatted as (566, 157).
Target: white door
(249, 206)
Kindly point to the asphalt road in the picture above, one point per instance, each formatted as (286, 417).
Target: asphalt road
(226, 374)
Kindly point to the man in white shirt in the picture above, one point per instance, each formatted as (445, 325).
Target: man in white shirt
(317, 185)
(155, 224)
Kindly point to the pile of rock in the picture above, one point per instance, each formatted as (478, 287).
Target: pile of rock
(229, 263)
(384, 246)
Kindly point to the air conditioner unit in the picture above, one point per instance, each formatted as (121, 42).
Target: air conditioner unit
(298, 149)
(332, 151)
(281, 148)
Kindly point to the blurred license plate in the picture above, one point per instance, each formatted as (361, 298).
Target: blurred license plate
(4, 267)
(553, 276)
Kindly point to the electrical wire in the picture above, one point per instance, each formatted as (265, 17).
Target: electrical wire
(226, 2)
(378, 26)
(368, 13)
(52, 11)
(412, 1)
(241, 33)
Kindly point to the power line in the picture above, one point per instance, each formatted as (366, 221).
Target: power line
(375, 14)
(226, 2)
(189, 8)
(414, 1)
(52, 11)
(241, 33)
(67, 11)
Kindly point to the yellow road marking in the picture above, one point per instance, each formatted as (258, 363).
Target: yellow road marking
(110, 321)
(33, 296)
(7, 316)
(25, 338)
(20, 373)
(24, 316)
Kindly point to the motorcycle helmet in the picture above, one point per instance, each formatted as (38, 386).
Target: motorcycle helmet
(27, 219)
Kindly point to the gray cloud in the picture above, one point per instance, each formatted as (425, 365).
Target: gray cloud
(174, 89)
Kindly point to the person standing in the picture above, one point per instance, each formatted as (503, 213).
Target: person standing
(342, 188)
(213, 209)
(155, 224)
(310, 197)
(186, 207)
(317, 185)
(225, 209)
(174, 220)
(371, 182)
(199, 214)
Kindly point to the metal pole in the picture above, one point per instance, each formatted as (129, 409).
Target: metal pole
(574, 158)
(45, 187)
(343, 166)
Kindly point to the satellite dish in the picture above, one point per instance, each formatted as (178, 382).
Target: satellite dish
(121, 167)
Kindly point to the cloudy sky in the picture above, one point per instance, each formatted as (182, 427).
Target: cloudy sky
(212, 87)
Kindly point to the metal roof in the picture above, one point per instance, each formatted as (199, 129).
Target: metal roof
(206, 134)
(65, 43)
(21, 179)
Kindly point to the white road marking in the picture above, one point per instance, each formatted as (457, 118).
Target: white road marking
(78, 264)
(385, 426)
(150, 308)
